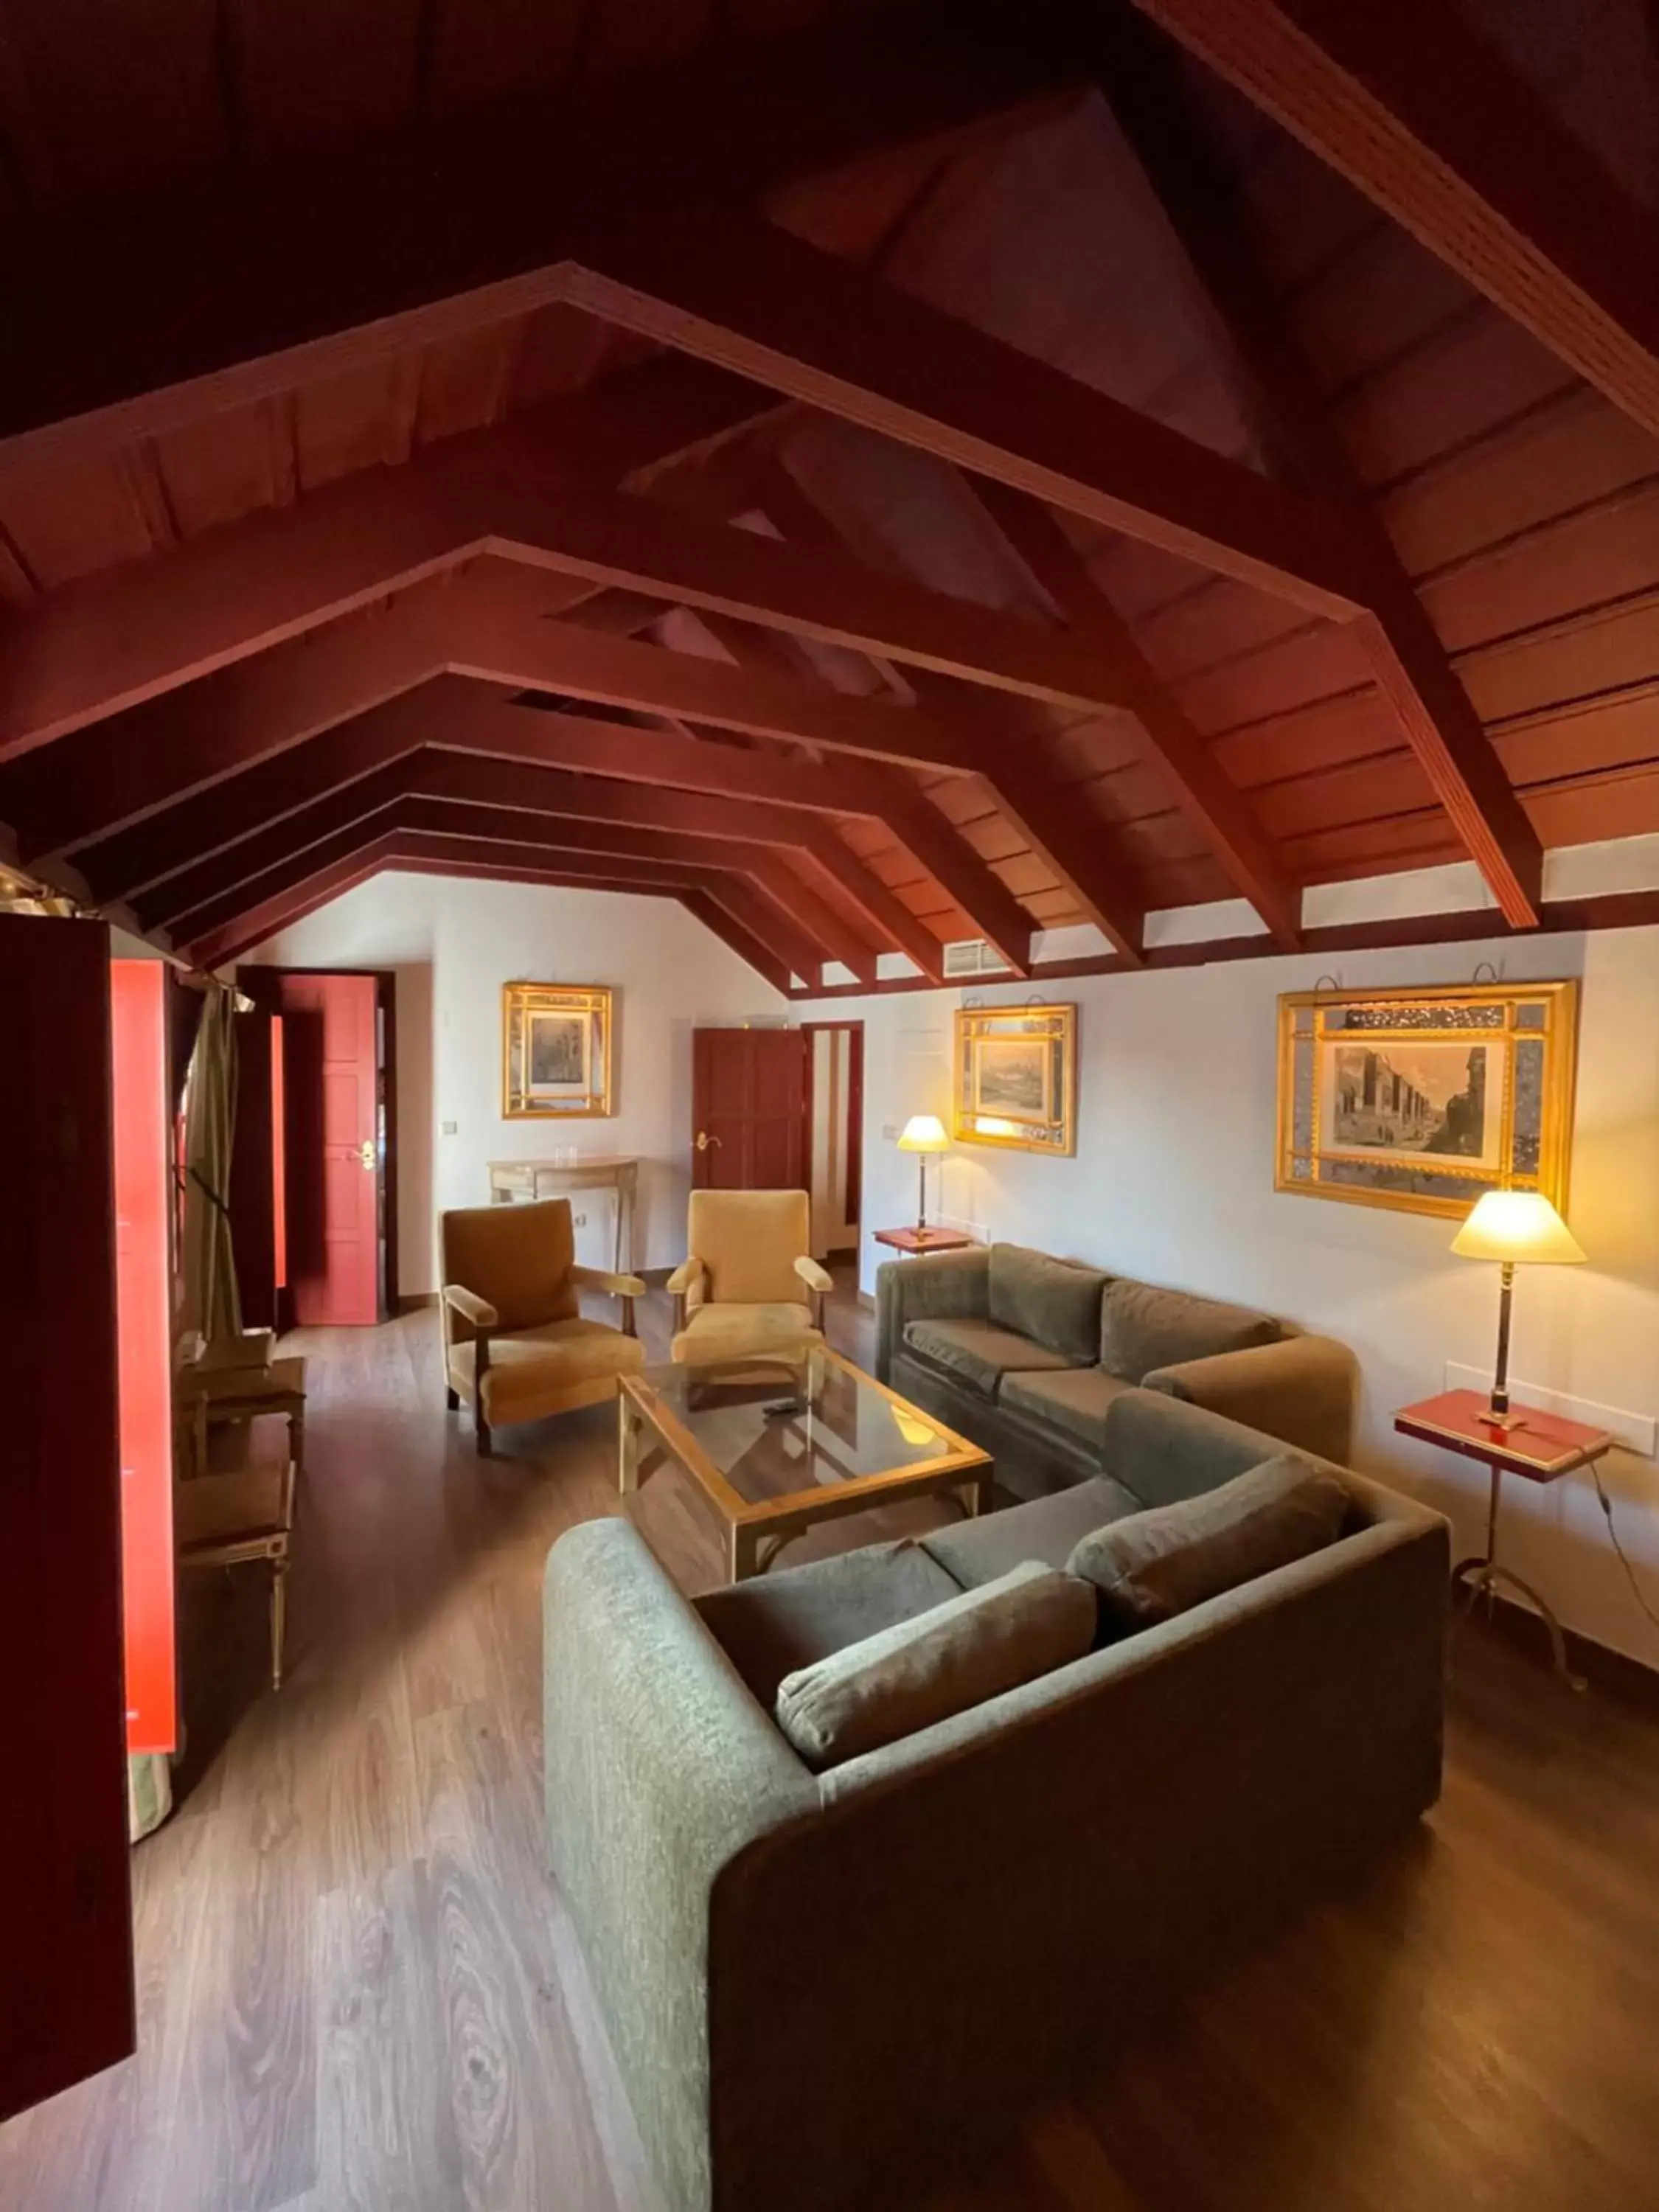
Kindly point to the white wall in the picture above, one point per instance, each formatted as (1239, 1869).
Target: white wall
(831, 1074)
(1173, 1180)
(452, 943)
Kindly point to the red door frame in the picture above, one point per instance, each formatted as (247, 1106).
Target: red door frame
(262, 985)
(854, 1111)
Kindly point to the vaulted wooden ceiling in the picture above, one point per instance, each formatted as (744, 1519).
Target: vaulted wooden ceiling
(879, 475)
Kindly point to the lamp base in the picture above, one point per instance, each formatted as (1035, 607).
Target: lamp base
(1492, 1419)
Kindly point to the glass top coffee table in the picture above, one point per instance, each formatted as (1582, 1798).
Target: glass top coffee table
(776, 1446)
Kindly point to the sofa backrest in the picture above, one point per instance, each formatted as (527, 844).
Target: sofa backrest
(1056, 1303)
(1162, 1449)
(1144, 1327)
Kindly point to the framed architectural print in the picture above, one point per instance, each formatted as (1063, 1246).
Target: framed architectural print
(1425, 1098)
(1016, 1077)
(556, 1051)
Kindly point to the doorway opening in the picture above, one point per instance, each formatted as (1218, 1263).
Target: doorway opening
(834, 1137)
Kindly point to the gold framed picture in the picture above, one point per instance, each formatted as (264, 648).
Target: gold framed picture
(1423, 1097)
(556, 1051)
(1016, 1077)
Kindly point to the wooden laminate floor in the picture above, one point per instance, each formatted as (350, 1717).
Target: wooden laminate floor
(358, 1987)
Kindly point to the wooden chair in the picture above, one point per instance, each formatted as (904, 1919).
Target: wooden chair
(750, 1287)
(516, 1347)
(226, 1519)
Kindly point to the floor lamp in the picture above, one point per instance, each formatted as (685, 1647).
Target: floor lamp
(923, 1133)
(1516, 1228)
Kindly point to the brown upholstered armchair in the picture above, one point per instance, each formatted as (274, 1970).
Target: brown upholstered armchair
(750, 1287)
(516, 1347)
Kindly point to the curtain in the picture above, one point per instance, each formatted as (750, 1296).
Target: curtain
(211, 1303)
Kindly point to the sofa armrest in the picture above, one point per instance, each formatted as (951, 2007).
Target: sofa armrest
(1300, 1390)
(939, 1286)
(662, 1771)
(478, 1313)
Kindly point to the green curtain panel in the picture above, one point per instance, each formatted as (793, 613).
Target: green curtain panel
(212, 1305)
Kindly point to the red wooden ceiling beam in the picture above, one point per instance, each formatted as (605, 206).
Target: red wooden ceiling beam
(1410, 664)
(746, 296)
(285, 908)
(214, 292)
(1419, 108)
(1217, 809)
(760, 956)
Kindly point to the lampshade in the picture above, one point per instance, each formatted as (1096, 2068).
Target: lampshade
(923, 1133)
(1519, 1226)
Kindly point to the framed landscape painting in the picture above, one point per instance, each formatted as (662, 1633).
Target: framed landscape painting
(556, 1050)
(1424, 1098)
(1016, 1077)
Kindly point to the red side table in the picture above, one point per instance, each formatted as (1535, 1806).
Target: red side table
(1539, 1446)
(911, 1243)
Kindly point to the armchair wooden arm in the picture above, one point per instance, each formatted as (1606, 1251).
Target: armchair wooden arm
(625, 1287)
(684, 1280)
(818, 1280)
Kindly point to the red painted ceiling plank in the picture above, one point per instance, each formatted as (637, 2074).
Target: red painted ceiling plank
(143, 628)
(1214, 805)
(746, 296)
(1407, 657)
(215, 293)
(310, 882)
(329, 884)
(1416, 107)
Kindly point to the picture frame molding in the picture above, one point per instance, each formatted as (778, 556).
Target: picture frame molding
(971, 1027)
(520, 1000)
(1557, 1034)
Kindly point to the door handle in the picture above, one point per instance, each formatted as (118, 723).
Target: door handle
(704, 1140)
(366, 1152)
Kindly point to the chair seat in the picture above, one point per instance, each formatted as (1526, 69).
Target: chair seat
(530, 1371)
(733, 1332)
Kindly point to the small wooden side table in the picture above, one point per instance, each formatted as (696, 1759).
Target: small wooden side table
(1540, 1446)
(911, 1243)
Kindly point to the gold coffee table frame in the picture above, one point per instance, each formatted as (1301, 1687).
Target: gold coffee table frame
(756, 1533)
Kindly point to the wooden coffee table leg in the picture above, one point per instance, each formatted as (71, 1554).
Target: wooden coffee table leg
(742, 1556)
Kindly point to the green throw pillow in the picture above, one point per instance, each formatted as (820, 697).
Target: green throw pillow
(1150, 1566)
(943, 1662)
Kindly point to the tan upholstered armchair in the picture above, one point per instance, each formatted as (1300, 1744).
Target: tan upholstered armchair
(516, 1347)
(750, 1287)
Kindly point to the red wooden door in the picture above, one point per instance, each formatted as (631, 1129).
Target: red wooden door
(331, 1167)
(65, 1920)
(748, 1110)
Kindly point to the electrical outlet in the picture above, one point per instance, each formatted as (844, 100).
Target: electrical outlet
(447, 1129)
(578, 1221)
(889, 1131)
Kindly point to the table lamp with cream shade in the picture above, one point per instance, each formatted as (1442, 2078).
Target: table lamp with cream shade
(923, 1133)
(1516, 1228)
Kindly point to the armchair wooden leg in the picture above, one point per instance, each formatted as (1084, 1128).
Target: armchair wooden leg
(453, 1401)
(483, 1428)
(279, 1620)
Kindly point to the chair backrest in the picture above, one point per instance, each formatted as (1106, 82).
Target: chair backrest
(517, 1256)
(750, 1241)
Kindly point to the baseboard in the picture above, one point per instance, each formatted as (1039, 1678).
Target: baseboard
(411, 1302)
(868, 1300)
(1599, 1664)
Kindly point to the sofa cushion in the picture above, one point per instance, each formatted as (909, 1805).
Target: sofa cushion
(973, 1647)
(1048, 1530)
(1075, 1402)
(978, 1353)
(777, 1623)
(1055, 1301)
(1142, 1327)
(1150, 1566)
(528, 1373)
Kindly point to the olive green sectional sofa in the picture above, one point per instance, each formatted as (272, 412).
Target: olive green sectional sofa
(1026, 1354)
(818, 1986)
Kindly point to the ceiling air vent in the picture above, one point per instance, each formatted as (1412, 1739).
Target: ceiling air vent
(972, 956)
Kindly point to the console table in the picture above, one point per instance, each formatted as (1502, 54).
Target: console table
(511, 1179)
(1536, 1445)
